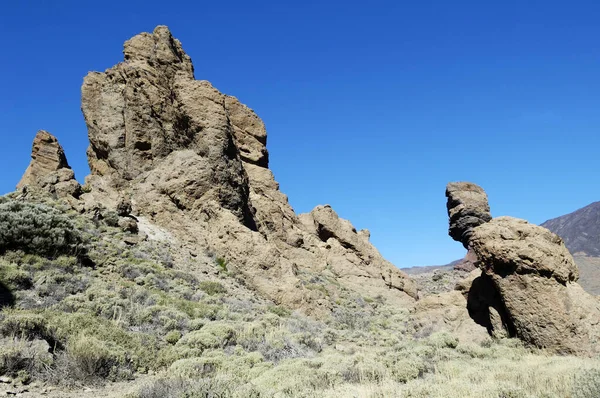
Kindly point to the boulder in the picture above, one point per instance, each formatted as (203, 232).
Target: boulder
(534, 276)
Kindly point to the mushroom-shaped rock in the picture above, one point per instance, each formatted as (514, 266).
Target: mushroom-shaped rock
(527, 284)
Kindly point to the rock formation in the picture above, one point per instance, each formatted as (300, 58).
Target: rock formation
(527, 285)
(467, 208)
(49, 169)
(467, 263)
(194, 161)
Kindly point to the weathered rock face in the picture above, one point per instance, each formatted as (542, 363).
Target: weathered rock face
(351, 255)
(527, 287)
(467, 208)
(194, 161)
(49, 169)
(149, 109)
(533, 273)
(447, 312)
(468, 263)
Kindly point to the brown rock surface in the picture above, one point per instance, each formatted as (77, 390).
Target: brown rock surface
(49, 169)
(468, 263)
(447, 312)
(467, 208)
(527, 284)
(194, 161)
(534, 275)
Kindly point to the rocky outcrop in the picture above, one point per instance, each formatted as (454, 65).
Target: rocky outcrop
(468, 263)
(446, 312)
(467, 208)
(49, 169)
(352, 257)
(194, 161)
(527, 285)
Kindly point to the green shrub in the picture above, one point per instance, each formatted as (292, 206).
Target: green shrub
(221, 263)
(37, 229)
(280, 311)
(212, 288)
(210, 387)
(110, 218)
(586, 384)
(442, 340)
(173, 336)
(91, 358)
(213, 335)
(28, 325)
(14, 277)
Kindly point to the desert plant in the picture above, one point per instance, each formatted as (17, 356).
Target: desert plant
(38, 229)
(221, 263)
(586, 384)
(212, 288)
(90, 357)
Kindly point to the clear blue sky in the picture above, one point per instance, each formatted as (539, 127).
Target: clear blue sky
(371, 107)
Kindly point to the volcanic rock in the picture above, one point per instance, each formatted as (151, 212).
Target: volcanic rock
(49, 169)
(527, 285)
(467, 263)
(467, 208)
(194, 161)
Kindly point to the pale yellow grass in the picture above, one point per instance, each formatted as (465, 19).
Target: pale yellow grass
(533, 376)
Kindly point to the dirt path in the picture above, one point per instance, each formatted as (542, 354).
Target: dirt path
(110, 390)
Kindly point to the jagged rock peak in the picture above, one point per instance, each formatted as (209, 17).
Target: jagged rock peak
(160, 50)
(47, 156)
(49, 168)
(467, 208)
(145, 108)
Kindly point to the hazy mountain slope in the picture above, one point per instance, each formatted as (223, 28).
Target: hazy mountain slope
(580, 230)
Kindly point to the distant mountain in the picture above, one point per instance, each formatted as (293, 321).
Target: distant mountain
(421, 269)
(580, 230)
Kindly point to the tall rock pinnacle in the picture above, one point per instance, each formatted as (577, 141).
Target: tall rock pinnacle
(467, 208)
(195, 161)
(49, 168)
(47, 156)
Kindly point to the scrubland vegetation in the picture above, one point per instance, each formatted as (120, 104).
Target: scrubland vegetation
(81, 307)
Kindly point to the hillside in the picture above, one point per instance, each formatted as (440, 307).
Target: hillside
(180, 270)
(580, 230)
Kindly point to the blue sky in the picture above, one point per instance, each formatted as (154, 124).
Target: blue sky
(371, 107)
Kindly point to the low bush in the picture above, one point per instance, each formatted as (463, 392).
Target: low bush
(20, 357)
(212, 288)
(586, 384)
(38, 229)
(91, 358)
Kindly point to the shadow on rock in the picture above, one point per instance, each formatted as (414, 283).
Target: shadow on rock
(486, 309)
